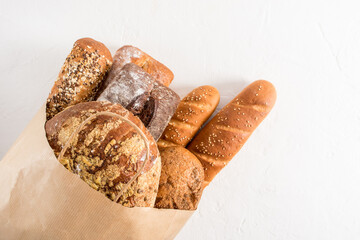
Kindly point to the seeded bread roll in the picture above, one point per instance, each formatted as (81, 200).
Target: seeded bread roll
(130, 54)
(107, 153)
(225, 134)
(193, 111)
(181, 180)
(80, 76)
(129, 86)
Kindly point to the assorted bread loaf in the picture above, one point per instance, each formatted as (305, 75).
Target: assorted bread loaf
(112, 143)
(130, 86)
(225, 134)
(191, 114)
(130, 54)
(159, 109)
(140, 93)
(181, 180)
(80, 76)
(107, 152)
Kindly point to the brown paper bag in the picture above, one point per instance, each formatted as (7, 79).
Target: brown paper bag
(40, 199)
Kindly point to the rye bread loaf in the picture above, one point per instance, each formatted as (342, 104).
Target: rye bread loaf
(159, 109)
(80, 76)
(192, 112)
(181, 179)
(225, 134)
(107, 152)
(130, 54)
(129, 86)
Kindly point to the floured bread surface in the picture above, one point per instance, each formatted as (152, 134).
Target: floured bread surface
(107, 152)
(130, 54)
(129, 86)
(80, 76)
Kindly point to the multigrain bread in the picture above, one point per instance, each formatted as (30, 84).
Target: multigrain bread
(129, 86)
(80, 76)
(225, 134)
(193, 111)
(130, 54)
(181, 180)
(107, 152)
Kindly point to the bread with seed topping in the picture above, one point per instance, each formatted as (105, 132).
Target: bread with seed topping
(80, 76)
(192, 112)
(225, 134)
(107, 153)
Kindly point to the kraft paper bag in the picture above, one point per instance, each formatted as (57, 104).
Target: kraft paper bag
(40, 199)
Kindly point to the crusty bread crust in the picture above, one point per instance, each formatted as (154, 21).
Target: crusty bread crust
(225, 134)
(193, 111)
(130, 54)
(181, 180)
(107, 152)
(80, 76)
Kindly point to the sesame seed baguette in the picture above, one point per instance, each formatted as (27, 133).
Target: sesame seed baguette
(80, 76)
(219, 141)
(192, 112)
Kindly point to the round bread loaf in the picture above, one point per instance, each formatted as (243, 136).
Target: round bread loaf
(108, 152)
(80, 76)
(181, 180)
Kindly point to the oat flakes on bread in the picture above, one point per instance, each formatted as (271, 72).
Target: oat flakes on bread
(107, 152)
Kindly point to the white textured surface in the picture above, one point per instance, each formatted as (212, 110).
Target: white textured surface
(298, 176)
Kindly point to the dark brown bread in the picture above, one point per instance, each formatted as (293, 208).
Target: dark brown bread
(80, 76)
(225, 134)
(107, 152)
(193, 111)
(181, 179)
(129, 86)
(159, 109)
(130, 54)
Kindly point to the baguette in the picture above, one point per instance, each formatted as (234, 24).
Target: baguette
(192, 112)
(80, 76)
(219, 141)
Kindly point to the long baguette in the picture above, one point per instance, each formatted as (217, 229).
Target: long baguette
(219, 141)
(193, 111)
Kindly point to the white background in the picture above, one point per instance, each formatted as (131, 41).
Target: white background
(298, 176)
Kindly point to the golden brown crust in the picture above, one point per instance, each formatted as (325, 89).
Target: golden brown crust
(219, 141)
(107, 152)
(192, 112)
(80, 76)
(181, 179)
(130, 54)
